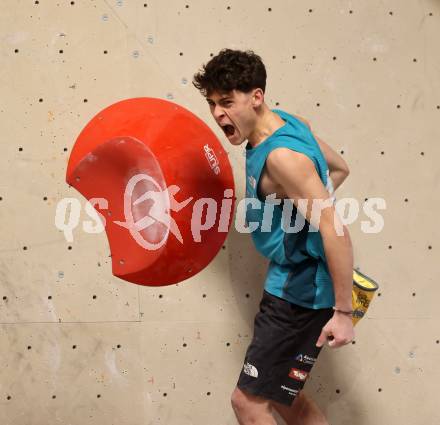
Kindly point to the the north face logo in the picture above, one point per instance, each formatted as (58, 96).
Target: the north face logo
(252, 182)
(250, 370)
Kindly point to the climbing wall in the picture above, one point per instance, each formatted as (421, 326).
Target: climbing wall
(80, 346)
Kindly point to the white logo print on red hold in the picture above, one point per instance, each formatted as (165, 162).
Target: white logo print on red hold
(299, 375)
(212, 159)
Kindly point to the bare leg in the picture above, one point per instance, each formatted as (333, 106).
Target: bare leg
(304, 411)
(251, 409)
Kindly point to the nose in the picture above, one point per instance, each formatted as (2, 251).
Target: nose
(217, 112)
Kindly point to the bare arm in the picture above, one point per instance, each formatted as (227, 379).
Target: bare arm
(337, 166)
(296, 173)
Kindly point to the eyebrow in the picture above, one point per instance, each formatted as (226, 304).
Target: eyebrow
(222, 98)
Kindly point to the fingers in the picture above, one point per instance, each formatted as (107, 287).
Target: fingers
(322, 338)
(335, 343)
(344, 336)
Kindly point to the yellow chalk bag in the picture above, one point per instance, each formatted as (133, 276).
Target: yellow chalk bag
(363, 292)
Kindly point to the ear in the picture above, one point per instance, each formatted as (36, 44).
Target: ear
(258, 97)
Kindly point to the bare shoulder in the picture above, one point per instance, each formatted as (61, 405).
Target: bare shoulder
(295, 173)
(285, 160)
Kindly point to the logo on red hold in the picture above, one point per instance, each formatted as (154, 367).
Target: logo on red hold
(299, 375)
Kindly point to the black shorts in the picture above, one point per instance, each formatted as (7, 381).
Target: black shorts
(283, 349)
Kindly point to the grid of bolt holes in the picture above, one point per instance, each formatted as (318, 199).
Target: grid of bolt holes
(398, 106)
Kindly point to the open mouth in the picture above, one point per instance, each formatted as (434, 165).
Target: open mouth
(228, 129)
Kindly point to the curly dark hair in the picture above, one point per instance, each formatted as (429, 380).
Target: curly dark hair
(229, 70)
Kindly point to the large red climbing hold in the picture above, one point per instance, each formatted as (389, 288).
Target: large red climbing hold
(167, 184)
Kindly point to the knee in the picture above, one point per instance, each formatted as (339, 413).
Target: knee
(245, 404)
(238, 400)
(250, 409)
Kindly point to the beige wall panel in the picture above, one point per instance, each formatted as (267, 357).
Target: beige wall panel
(189, 340)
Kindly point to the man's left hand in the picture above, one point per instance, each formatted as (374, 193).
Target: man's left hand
(337, 332)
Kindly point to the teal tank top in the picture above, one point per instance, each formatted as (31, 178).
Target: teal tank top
(298, 269)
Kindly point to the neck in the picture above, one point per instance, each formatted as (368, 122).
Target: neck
(267, 122)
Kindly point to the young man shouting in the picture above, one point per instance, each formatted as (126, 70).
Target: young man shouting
(307, 293)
